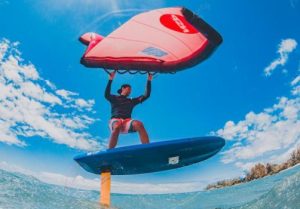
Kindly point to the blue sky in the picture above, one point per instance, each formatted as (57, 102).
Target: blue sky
(52, 108)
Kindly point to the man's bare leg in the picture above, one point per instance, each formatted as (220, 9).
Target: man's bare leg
(114, 135)
(139, 127)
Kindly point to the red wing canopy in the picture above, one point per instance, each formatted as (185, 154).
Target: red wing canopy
(163, 40)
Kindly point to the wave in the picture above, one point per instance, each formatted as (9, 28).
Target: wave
(284, 195)
(26, 192)
(275, 192)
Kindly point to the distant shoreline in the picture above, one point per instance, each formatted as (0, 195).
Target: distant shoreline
(259, 171)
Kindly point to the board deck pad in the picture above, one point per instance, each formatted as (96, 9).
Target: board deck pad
(153, 157)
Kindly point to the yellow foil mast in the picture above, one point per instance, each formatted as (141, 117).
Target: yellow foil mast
(105, 189)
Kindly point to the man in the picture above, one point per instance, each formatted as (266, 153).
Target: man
(121, 109)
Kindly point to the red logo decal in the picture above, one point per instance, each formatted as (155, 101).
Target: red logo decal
(177, 23)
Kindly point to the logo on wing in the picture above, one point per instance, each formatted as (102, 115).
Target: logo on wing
(177, 23)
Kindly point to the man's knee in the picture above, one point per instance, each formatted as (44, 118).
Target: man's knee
(137, 125)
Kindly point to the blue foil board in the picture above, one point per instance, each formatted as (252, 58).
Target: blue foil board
(153, 157)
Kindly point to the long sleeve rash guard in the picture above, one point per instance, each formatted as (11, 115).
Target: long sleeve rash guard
(121, 106)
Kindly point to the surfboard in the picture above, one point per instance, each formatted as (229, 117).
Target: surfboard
(153, 157)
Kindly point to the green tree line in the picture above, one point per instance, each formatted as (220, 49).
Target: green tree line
(259, 171)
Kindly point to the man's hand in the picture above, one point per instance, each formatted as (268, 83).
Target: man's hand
(112, 75)
(150, 76)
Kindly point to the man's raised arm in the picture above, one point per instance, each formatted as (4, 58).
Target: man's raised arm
(148, 89)
(107, 93)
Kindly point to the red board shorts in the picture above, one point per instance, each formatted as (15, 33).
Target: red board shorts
(126, 125)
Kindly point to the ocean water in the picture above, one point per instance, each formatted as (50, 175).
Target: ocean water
(280, 191)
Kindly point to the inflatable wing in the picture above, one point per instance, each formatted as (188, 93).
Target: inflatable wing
(163, 40)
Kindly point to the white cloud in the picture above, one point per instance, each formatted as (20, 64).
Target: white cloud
(147, 188)
(7, 136)
(84, 104)
(283, 156)
(65, 94)
(264, 135)
(285, 48)
(245, 166)
(296, 87)
(272, 134)
(267, 136)
(29, 103)
(79, 182)
(295, 81)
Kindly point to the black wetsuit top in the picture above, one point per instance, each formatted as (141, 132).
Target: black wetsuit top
(121, 106)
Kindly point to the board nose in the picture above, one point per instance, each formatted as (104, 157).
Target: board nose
(219, 142)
